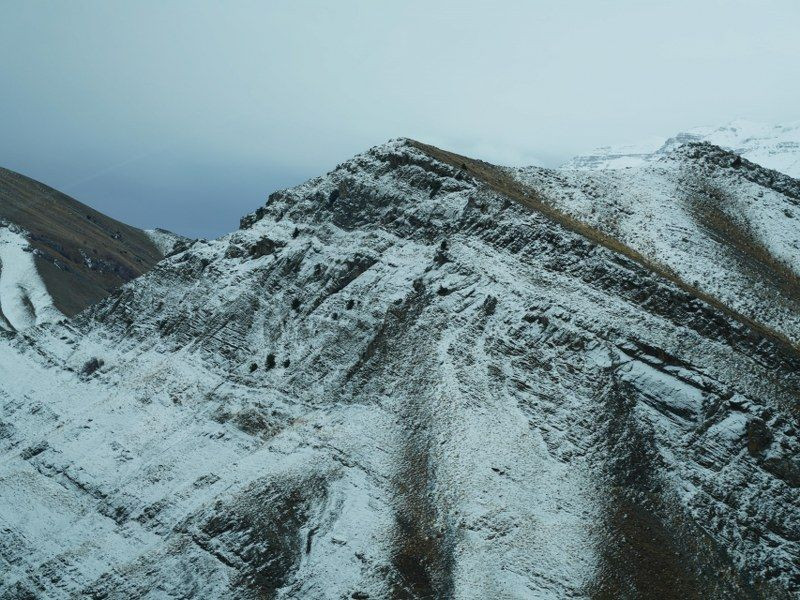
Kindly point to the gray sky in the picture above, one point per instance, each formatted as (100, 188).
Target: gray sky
(186, 115)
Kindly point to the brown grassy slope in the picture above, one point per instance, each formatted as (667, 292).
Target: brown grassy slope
(66, 232)
(501, 182)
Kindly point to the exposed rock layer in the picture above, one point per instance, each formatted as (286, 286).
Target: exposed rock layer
(413, 377)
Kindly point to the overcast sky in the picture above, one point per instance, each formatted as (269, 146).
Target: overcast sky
(186, 115)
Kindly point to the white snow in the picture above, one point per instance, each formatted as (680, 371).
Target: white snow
(772, 146)
(24, 300)
(163, 239)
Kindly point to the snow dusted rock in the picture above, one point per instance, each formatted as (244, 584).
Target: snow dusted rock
(165, 240)
(717, 222)
(772, 146)
(409, 378)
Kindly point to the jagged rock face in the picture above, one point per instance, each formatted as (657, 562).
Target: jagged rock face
(396, 381)
(58, 256)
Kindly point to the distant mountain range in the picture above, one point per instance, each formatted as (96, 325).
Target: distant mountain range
(773, 146)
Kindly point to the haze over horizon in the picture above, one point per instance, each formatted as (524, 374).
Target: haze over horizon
(187, 115)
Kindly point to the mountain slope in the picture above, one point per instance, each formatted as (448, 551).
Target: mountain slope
(719, 223)
(404, 379)
(60, 255)
(774, 147)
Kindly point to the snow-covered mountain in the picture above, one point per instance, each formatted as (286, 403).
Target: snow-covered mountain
(773, 146)
(719, 223)
(58, 256)
(423, 376)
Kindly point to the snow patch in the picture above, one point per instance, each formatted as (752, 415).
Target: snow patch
(164, 240)
(24, 300)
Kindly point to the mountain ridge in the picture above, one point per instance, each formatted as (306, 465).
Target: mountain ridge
(529, 197)
(398, 381)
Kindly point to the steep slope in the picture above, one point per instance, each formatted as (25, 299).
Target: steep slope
(719, 223)
(772, 146)
(59, 256)
(401, 380)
